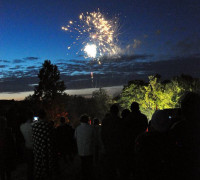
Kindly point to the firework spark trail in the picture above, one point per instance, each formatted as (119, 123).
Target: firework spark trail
(99, 34)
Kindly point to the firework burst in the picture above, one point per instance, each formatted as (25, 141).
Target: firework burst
(98, 35)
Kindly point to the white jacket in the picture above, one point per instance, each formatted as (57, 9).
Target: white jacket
(84, 135)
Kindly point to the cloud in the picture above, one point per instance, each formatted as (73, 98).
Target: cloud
(16, 67)
(32, 67)
(187, 46)
(16, 84)
(125, 58)
(61, 64)
(111, 72)
(3, 66)
(4, 61)
(18, 61)
(78, 61)
(130, 48)
(31, 58)
(174, 66)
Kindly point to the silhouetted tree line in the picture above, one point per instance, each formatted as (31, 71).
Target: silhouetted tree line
(152, 95)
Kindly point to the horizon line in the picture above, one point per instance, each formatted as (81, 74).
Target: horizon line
(85, 92)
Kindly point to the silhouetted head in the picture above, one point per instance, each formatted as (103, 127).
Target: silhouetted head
(84, 118)
(26, 115)
(96, 121)
(42, 114)
(161, 121)
(3, 123)
(52, 123)
(62, 120)
(30, 114)
(114, 109)
(135, 107)
(190, 106)
(125, 113)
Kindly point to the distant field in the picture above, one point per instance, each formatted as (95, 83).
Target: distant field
(112, 91)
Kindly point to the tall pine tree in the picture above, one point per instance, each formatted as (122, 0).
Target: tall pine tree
(50, 86)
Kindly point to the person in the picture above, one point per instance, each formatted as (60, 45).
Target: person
(65, 140)
(154, 150)
(43, 148)
(123, 157)
(134, 124)
(14, 117)
(7, 150)
(111, 138)
(84, 135)
(26, 130)
(98, 144)
(137, 118)
(186, 135)
(124, 114)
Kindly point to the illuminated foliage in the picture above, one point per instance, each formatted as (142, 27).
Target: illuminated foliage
(156, 94)
(135, 91)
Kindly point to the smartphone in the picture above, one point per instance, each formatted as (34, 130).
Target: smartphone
(35, 118)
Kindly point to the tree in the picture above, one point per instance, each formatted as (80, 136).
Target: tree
(156, 94)
(135, 91)
(50, 86)
(102, 103)
(49, 93)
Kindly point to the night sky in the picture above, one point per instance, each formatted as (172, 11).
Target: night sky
(155, 36)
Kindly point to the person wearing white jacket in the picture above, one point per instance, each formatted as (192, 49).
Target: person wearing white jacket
(84, 135)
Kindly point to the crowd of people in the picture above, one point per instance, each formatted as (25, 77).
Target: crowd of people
(121, 146)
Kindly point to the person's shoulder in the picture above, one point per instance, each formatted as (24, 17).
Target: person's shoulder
(22, 126)
(130, 116)
(84, 126)
(119, 118)
(87, 127)
(143, 116)
(80, 126)
(36, 124)
(148, 138)
(107, 116)
(178, 127)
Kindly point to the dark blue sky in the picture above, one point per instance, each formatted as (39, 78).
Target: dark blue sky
(164, 36)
